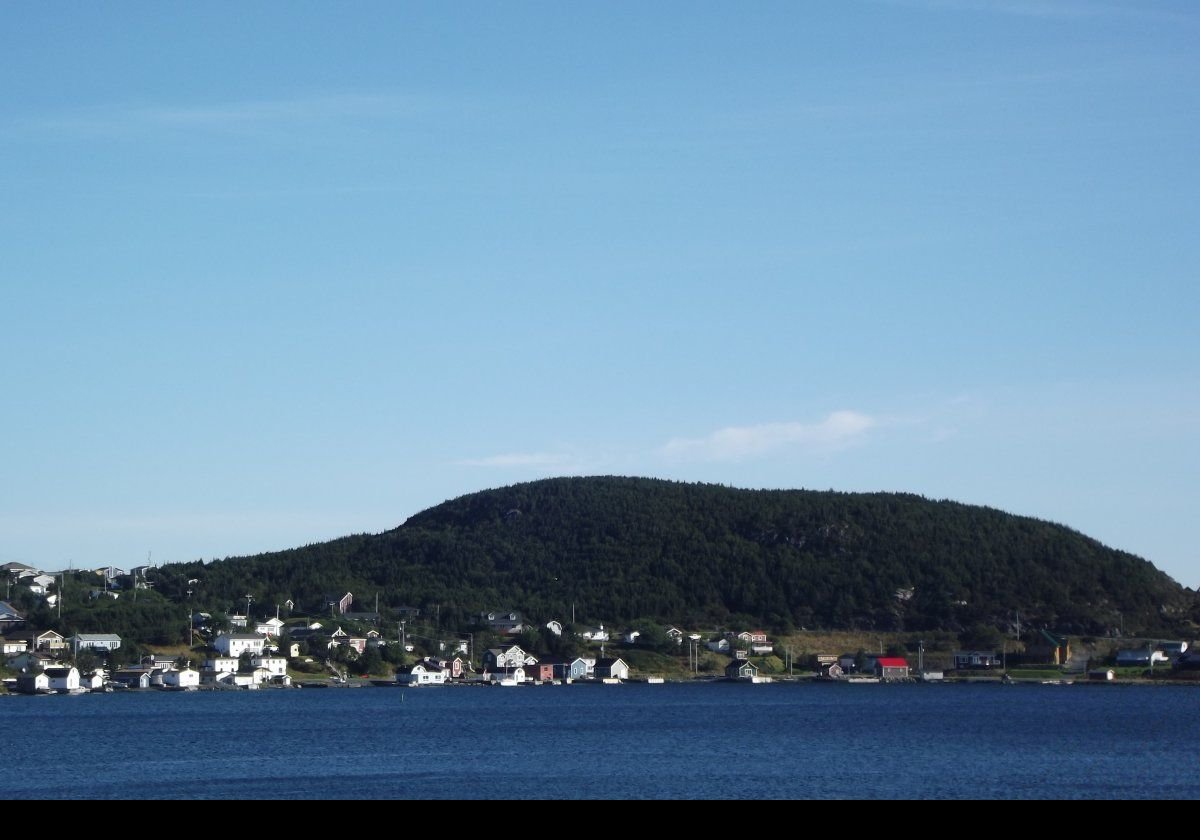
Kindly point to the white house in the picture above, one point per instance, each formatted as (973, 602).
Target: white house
(133, 677)
(423, 673)
(227, 664)
(33, 683)
(276, 666)
(720, 645)
(181, 678)
(95, 641)
(595, 634)
(38, 584)
(611, 669)
(13, 647)
(235, 644)
(92, 681)
(63, 679)
(554, 627)
(509, 676)
(49, 640)
(496, 659)
(270, 627)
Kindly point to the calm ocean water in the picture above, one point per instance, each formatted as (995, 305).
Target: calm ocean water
(673, 741)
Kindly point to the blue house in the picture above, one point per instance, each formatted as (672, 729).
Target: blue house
(568, 669)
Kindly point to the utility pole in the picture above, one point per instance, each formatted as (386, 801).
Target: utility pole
(191, 621)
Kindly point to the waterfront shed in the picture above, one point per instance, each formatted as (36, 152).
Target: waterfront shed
(891, 668)
(741, 669)
(63, 679)
(611, 669)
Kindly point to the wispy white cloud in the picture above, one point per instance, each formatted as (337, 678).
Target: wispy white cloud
(519, 459)
(735, 443)
(239, 117)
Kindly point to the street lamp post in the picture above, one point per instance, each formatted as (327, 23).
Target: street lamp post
(248, 600)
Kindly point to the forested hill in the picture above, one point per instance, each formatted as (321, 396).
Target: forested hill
(621, 549)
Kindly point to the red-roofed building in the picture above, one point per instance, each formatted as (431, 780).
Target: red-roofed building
(891, 668)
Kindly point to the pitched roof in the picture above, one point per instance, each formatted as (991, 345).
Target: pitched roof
(892, 662)
(1056, 641)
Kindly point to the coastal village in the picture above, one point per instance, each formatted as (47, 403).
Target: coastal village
(236, 651)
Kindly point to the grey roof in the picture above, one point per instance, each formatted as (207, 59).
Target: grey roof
(97, 637)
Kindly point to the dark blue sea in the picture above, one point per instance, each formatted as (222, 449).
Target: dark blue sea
(633, 741)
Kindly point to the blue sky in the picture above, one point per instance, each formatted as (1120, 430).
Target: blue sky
(276, 273)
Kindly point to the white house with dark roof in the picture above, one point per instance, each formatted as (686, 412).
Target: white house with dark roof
(181, 678)
(133, 677)
(63, 679)
(611, 669)
(422, 673)
(13, 647)
(95, 641)
(235, 644)
(33, 683)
